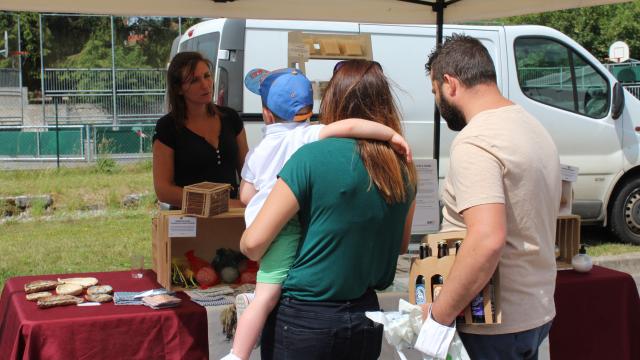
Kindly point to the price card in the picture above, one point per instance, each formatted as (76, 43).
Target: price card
(182, 226)
(426, 218)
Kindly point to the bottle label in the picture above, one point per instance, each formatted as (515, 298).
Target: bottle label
(477, 306)
(436, 292)
(420, 298)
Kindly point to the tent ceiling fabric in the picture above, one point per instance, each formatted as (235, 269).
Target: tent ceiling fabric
(378, 11)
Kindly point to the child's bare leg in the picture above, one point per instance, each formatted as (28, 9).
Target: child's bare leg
(252, 320)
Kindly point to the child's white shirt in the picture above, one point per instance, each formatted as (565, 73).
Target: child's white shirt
(264, 162)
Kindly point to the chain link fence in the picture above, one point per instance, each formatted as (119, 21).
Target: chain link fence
(95, 96)
(12, 97)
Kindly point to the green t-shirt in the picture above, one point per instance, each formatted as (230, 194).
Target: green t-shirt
(351, 237)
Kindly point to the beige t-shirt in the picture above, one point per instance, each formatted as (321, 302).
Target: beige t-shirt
(506, 156)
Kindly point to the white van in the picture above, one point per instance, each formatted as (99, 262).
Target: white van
(593, 121)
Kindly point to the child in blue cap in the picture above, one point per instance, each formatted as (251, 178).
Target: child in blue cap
(287, 104)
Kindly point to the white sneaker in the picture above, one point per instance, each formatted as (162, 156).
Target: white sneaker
(242, 302)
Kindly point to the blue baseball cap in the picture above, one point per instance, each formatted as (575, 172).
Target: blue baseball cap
(285, 91)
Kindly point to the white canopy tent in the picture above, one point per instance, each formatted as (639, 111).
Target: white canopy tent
(376, 11)
(379, 11)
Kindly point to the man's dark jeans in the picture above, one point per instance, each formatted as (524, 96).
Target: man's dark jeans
(516, 346)
(322, 330)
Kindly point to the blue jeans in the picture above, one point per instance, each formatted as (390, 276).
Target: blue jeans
(515, 346)
(322, 330)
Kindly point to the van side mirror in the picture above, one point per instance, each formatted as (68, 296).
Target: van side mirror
(618, 101)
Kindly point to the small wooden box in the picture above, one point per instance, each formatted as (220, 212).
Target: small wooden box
(432, 266)
(205, 199)
(567, 239)
(213, 233)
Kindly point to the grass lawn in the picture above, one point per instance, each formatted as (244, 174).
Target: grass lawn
(65, 245)
(82, 187)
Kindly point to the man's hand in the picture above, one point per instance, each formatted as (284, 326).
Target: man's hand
(400, 145)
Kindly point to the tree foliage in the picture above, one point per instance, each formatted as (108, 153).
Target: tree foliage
(85, 42)
(595, 28)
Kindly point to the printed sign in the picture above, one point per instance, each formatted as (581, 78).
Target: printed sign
(568, 173)
(182, 226)
(426, 218)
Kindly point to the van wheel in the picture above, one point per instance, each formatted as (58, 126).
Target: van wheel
(624, 220)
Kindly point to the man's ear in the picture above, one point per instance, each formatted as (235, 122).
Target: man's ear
(451, 85)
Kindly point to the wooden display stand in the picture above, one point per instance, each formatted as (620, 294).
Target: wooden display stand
(205, 199)
(432, 266)
(305, 46)
(567, 239)
(220, 231)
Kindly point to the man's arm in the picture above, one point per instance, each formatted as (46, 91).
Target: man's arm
(365, 129)
(475, 263)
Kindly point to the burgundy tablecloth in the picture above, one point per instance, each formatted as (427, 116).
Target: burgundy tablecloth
(100, 332)
(598, 316)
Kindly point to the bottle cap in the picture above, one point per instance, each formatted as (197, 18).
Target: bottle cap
(582, 249)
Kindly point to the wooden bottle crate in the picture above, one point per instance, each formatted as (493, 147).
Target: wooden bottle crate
(567, 239)
(430, 266)
(205, 199)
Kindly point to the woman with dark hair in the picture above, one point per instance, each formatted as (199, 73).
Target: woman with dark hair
(197, 140)
(354, 200)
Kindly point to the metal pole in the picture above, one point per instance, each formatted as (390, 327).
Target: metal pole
(42, 90)
(55, 104)
(113, 71)
(20, 73)
(439, 9)
(180, 26)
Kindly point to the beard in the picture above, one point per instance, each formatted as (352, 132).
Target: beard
(451, 114)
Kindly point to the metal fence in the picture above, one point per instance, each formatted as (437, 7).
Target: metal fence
(75, 142)
(633, 89)
(96, 96)
(556, 76)
(11, 97)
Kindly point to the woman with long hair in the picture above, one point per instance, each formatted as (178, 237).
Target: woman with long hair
(197, 140)
(355, 201)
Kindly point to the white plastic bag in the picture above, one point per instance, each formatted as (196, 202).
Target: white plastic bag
(401, 329)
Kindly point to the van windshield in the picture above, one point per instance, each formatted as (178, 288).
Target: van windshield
(206, 44)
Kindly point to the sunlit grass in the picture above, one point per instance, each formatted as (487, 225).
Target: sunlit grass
(80, 187)
(102, 242)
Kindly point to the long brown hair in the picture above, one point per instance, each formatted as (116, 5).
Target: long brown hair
(181, 68)
(359, 89)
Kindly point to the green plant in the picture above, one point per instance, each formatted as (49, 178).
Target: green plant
(113, 200)
(148, 201)
(105, 164)
(38, 207)
(144, 165)
(8, 208)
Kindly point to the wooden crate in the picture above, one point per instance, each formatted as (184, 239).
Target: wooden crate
(567, 239)
(212, 233)
(431, 266)
(205, 199)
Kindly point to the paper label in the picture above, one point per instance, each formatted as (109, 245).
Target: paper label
(568, 173)
(426, 218)
(182, 226)
(298, 51)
